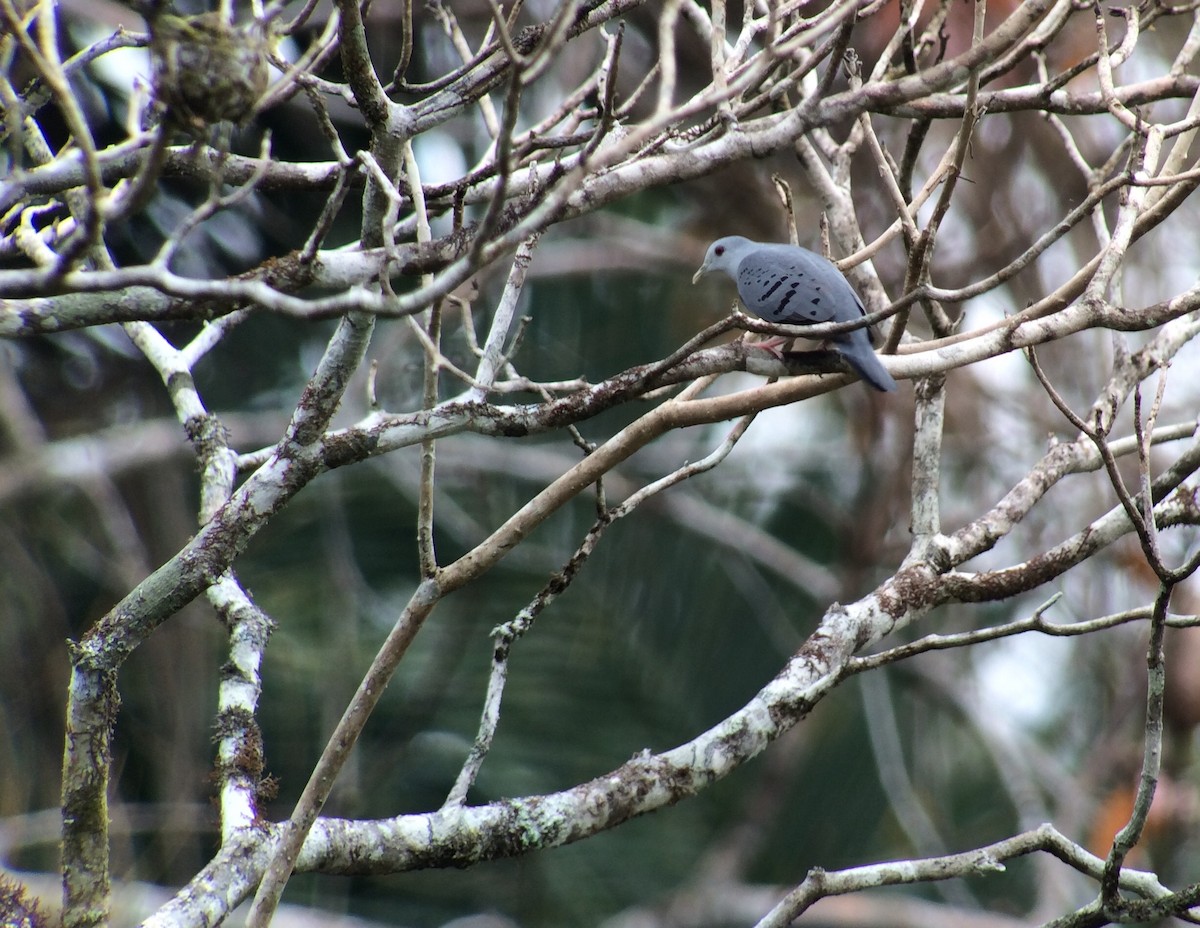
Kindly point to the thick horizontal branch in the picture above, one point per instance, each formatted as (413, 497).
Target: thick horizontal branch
(114, 451)
(820, 884)
(623, 176)
(183, 162)
(1035, 623)
(459, 836)
(1068, 458)
(1040, 98)
(983, 586)
(383, 432)
(123, 161)
(187, 162)
(213, 549)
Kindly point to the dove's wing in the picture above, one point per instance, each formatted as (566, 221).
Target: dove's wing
(783, 283)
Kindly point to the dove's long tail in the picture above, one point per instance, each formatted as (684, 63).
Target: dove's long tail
(857, 350)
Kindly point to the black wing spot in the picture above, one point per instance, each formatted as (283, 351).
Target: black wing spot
(771, 290)
(781, 311)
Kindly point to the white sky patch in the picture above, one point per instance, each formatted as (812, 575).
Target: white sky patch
(440, 157)
(794, 436)
(1004, 373)
(441, 160)
(1023, 674)
(121, 67)
(771, 462)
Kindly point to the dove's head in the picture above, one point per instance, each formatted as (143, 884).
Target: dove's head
(724, 255)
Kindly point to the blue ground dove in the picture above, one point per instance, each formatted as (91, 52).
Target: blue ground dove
(789, 284)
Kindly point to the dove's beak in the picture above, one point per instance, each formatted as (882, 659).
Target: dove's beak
(700, 273)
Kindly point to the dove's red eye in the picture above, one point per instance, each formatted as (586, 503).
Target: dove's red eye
(720, 250)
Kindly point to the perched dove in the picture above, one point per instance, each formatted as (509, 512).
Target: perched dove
(786, 283)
